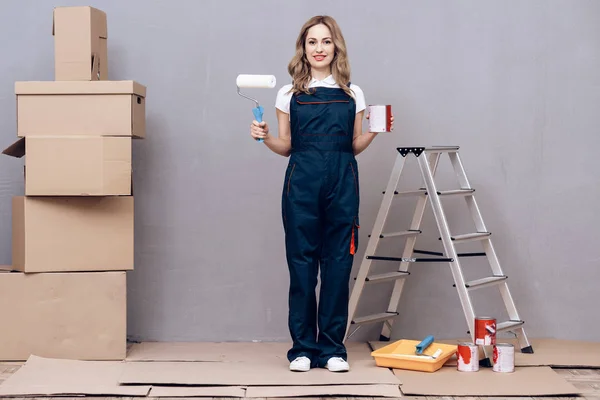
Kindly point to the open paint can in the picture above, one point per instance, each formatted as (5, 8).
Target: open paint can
(485, 331)
(504, 358)
(380, 118)
(467, 355)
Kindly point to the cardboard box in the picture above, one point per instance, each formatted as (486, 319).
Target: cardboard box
(75, 165)
(80, 44)
(58, 234)
(63, 315)
(78, 108)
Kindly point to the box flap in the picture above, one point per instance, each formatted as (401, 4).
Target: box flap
(97, 18)
(17, 149)
(96, 67)
(80, 87)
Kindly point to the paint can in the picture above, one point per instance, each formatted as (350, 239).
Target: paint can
(380, 118)
(504, 357)
(467, 355)
(485, 331)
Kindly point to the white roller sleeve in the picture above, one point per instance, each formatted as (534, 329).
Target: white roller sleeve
(256, 81)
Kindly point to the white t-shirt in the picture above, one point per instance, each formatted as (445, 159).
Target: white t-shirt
(283, 99)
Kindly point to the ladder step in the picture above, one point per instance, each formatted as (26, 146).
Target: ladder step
(408, 233)
(468, 237)
(391, 276)
(419, 192)
(484, 282)
(400, 259)
(457, 192)
(441, 149)
(508, 325)
(369, 319)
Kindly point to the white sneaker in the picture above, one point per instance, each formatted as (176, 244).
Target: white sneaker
(337, 364)
(300, 364)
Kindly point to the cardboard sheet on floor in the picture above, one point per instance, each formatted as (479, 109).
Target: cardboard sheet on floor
(559, 353)
(205, 351)
(226, 351)
(525, 381)
(55, 377)
(318, 391)
(197, 391)
(257, 373)
(547, 352)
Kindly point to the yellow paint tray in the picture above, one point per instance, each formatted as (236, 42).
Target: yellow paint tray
(401, 355)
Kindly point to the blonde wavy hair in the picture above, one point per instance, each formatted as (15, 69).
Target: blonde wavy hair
(299, 67)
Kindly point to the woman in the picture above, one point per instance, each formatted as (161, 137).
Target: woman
(320, 129)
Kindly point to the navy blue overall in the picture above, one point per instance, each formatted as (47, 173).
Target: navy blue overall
(320, 202)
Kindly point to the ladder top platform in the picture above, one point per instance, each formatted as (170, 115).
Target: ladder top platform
(418, 150)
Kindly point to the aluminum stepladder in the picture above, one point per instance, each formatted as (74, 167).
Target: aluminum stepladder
(428, 159)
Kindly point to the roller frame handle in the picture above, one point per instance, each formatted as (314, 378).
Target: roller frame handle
(258, 114)
(424, 344)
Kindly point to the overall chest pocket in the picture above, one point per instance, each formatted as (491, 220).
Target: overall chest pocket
(324, 117)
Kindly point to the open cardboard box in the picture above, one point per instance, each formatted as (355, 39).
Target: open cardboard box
(80, 44)
(80, 108)
(75, 165)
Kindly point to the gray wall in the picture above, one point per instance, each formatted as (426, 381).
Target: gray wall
(515, 83)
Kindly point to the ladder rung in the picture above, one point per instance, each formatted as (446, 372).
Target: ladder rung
(440, 149)
(401, 233)
(369, 319)
(419, 192)
(470, 237)
(484, 282)
(391, 276)
(457, 192)
(508, 325)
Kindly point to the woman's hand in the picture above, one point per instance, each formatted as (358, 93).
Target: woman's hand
(259, 130)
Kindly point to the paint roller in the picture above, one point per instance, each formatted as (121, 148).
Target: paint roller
(255, 81)
(425, 343)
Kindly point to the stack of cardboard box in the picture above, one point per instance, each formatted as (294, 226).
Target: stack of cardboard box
(73, 231)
